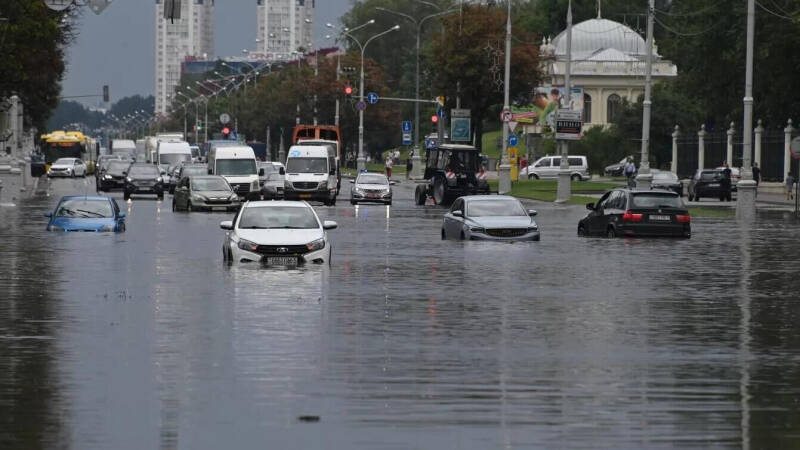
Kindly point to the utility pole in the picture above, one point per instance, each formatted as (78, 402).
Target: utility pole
(338, 73)
(644, 178)
(316, 72)
(504, 186)
(269, 150)
(564, 192)
(745, 197)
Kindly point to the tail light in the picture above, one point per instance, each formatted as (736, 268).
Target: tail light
(683, 218)
(631, 217)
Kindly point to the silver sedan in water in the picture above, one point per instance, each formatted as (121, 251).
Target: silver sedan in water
(490, 218)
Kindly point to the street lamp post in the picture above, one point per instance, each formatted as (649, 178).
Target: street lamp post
(188, 100)
(360, 161)
(339, 62)
(644, 179)
(745, 197)
(564, 189)
(504, 184)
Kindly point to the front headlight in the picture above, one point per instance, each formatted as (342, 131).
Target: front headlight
(199, 198)
(323, 184)
(55, 228)
(107, 228)
(244, 244)
(233, 196)
(477, 230)
(533, 228)
(129, 180)
(107, 177)
(159, 180)
(358, 190)
(287, 185)
(319, 244)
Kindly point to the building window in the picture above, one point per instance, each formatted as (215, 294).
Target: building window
(587, 108)
(613, 108)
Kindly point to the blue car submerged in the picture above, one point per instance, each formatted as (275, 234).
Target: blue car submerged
(86, 213)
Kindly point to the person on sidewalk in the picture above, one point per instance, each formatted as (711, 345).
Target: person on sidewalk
(789, 186)
(409, 164)
(389, 166)
(756, 176)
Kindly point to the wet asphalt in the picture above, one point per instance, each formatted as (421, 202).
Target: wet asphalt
(145, 339)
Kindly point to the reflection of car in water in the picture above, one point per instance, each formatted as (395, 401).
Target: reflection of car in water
(86, 213)
(451, 171)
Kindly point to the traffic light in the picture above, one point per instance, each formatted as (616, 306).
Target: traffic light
(434, 119)
(348, 90)
(106, 95)
(225, 132)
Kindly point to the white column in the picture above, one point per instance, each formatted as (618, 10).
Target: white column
(729, 154)
(674, 165)
(701, 148)
(759, 131)
(787, 148)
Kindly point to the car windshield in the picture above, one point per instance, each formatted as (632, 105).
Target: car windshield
(654, 200)
(268, 168)
(198, 170)
(462, 161)
(236, 167)
(210, 184)
(710, 175)
(143, 171)
(84, 208)
(307, 165)
(665, 176)
(372, 179)
(118, 166)
(290, 217)
(173, 159)
(275, 176)
(64, 161)
(489, 208)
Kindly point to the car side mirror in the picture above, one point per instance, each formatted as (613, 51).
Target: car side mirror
(329, 225)
(352, 181)
(458, 213)
(121, 215)
(590, 206)
(125, 172)
(282, 171)
(261, 172)
(226, 225)
(48, 214)
(532, 212)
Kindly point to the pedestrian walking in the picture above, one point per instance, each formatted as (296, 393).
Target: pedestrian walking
(725, 183)
(409, 164)
(789, 186)
(397, 156)
(630, 172)
(389, 163)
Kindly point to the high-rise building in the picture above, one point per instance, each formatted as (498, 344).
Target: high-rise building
(189, 38)
(284, 26)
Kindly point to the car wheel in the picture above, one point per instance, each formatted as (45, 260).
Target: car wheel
(353, 202)
(576, 177)
(611, 233)
(533, 176)
(419, 195)
(161, 196)
(333, 202)
(126, 196)
(581, 231)
(438, 191)
(462, 236)
(444, 235)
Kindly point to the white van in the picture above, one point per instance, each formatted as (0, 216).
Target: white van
(310, 174)
(237, 164)
(549, 167)
(333, 152)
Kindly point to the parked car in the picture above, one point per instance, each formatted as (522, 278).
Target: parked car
(664, 179)
(708, 183)
(489, 218)
(550, 166)
(113, 175)
(371, 188)
(286, 233)
(86, 213)
(144, 179)
(67, 167)
(271, 180)
(452, 171)
(185, 170)
(637, 213)
(616, 170)
(204, 192)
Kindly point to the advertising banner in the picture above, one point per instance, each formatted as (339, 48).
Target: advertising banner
(546, 101)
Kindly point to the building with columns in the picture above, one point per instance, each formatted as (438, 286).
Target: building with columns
(283, 27)
(608, 62)
(189, 38)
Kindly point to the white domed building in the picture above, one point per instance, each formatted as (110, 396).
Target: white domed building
(608, 62)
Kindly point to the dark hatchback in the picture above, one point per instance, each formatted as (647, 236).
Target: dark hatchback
(144, 179)
(710, 183)
(637, 213)
(112, 176)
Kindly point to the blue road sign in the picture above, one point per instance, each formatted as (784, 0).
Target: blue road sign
(440, 113)
(513, 140)
(406, 126)
(361, 106)
(372, 98)
(431, 143)
(406, 138)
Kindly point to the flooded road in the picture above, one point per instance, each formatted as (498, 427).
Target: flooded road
(146, 339)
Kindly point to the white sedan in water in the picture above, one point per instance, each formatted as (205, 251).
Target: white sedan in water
(67, 167)
(283, 233)
(489, 218)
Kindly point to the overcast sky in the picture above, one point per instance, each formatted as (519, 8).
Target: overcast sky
(116, 47)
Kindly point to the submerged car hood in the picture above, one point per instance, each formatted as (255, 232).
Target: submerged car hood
(275, 236)
(82, 224)
(503, 221)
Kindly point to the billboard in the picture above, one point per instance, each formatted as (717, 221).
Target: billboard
(544, 104)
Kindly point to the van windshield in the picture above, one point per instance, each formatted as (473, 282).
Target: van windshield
(307, 165)
(173, 159)
(236, 167)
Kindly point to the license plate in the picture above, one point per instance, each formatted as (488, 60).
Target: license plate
(280, 260)
(660, 218)
(713, 185)
(372, 195)
(305, 195)
(219, 208)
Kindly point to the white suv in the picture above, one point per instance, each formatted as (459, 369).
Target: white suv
(549, 166)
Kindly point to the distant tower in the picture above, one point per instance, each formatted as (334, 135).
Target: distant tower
(191, 36)
(284, 26)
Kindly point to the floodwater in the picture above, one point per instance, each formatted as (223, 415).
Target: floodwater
(147, 340)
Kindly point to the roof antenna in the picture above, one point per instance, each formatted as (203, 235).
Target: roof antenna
(599, 8)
